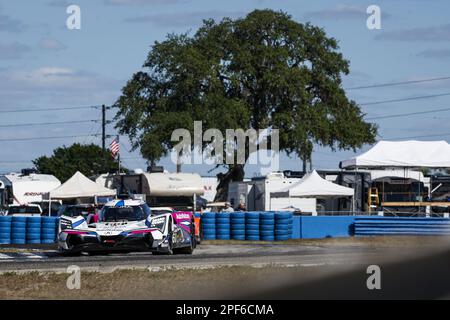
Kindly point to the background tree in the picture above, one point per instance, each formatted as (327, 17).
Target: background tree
(88, 159)
(264, 70)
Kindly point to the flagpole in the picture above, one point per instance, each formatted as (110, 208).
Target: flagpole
(118, 154)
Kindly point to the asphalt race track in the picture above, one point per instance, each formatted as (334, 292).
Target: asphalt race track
(204, 256)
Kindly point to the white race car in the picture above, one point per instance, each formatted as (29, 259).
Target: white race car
(128, 225)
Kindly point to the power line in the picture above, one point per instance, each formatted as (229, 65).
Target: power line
(422, 136)
(399, 115)
(46, 138)
(404, 99)
(47, 109)
(44, 123)
(391, 84)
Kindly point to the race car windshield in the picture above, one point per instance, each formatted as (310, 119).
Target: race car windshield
(123, 213)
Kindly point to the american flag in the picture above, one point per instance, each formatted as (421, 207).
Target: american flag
(114, 147)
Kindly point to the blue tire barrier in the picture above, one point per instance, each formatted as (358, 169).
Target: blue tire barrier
(237, 215)
(252, 215)
(240, 226)
(252, 221)
(264, 233)
(15, 229)
(283, 215)
(49, 229)
(18, 230)
(237, 233)
(225, 216)
(223, 226)
(237, 220)
(267, 221)
(252, 238)
(267, 216)
(252, 232)
(222, 231)
(283, 222)
(282, 232)
(265, 227)
(19, 224)
(5, 230)
(252, 227)
(281, 238)
(209, 215)
(267, 238)
(238, 237)
(33, 230)
(208, 222)
(48, 241)
(18, 219)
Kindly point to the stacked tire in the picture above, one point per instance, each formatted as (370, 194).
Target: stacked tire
(5, 229)
(267, 226)
(33, 230)
(223, 228)
(209, 225)
(283, 226)
(18, 230)
(49, 229)
(237, 222)
(252, 226)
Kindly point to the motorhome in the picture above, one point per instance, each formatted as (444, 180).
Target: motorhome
(160, 188)
(27, 187)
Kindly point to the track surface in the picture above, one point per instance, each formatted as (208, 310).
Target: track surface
(205, 256)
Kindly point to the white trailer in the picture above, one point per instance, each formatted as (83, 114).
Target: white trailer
(23, 189)
(260, 196)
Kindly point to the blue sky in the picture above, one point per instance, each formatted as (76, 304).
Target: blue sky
(45, 65)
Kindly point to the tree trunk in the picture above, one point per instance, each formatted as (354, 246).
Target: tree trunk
(235, 173)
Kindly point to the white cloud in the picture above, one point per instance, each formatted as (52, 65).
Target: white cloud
(341, 11)
(51, 44)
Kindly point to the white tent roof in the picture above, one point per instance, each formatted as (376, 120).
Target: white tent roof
(78, 186)
(314, 186)
(405, 154)
(174, 184)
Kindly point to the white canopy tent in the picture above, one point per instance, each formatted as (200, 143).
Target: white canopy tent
(403, 154)
(79, 186)
(313, 185)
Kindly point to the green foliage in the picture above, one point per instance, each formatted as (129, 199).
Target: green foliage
(264, 70)
(65, 161)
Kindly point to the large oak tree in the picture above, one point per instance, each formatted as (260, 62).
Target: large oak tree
(264, 70)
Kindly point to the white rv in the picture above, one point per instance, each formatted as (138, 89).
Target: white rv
(26, 188)
(161, 189)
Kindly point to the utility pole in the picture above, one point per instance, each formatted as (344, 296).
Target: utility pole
(103, 128)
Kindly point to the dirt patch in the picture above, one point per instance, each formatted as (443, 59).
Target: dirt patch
(127, 284)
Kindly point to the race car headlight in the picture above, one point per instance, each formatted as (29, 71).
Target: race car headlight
(65, 224)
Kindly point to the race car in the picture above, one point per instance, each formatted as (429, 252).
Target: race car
(128, 225)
